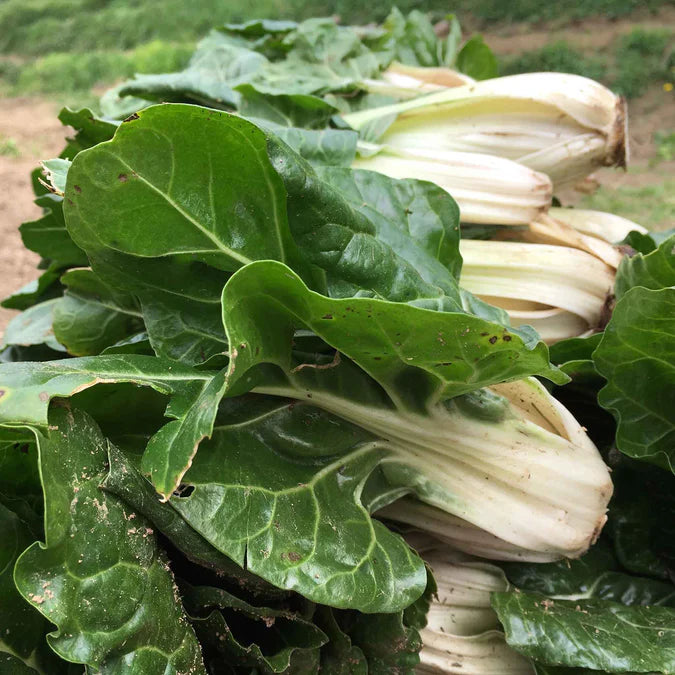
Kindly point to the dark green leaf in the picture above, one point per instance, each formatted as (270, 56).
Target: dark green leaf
(89, 130)
(477, 60)
(418, 220)
(655, 270)
(239, 216)
(595, 575)
(99, 576)
(126, 482)
(332, 147)
(27, 388)
(217, 66)
(56, 172)
(595, 634)
(36, 290)
(171, 451)
(412, 39)
(642, 522)
(574, 356)
(48, 236)
(288, 110)
(92, 316)
(637, 357)
(247, 635)
(278, 495)
(338, 656)
(21, 626)
(417, 355)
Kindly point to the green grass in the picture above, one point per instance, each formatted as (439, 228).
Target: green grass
(67, 72)
(37, 27)
(8, 147)
(665, 146)
(642, 57)
(557, 57)
(652, 206)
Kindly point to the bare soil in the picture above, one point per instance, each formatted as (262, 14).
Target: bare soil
(588, 35)
(33, 126)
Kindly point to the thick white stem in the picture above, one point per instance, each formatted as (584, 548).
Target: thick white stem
(563, 125)
(485, 654)
(540, 490)
(560, 291)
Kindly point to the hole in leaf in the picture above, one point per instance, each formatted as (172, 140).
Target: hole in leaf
(184, 491)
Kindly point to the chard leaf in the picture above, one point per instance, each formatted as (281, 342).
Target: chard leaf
(595, 575)
(119, 610)
(92, 316)
(33, 327)
(172, 449)
(281, 497)
(637, 357)
(137, 193)
(331, 147)
(574, 356)
(27, 388)
(244, 635)
(338, 656)
(286, 110)
(22, 627)
(48, 236)
(542, 669)
(56, 172)
(89, 129)
(211, 213)
(595, 634)
(419, 220)
(477, 60)
(642, 523)
(126, 482)
(36, 290)
(413, 41)
(217, 66)
(418, 356)
(655, 270)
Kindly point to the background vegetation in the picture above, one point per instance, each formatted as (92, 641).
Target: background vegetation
(65, 48)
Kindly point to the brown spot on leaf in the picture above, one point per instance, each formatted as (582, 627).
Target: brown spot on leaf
(506, 338)
(132, 117)
(123, 178)
(77, 189)
(493, 339)
(44, 396)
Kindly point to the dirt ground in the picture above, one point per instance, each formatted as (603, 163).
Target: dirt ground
(33, 126)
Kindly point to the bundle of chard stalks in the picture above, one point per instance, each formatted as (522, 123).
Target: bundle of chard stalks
(315, 378)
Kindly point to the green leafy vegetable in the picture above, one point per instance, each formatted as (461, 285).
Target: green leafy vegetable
(100, 576)
(595, 634)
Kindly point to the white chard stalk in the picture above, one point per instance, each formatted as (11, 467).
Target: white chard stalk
(605, 226)
(510, 460)
(565, 126)
(560, 291)
(440, 77)
(428, 525)
(487, 189)
(484, 654)
(406, 82)
(462, 602)
(546, 229)
(462, 633)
